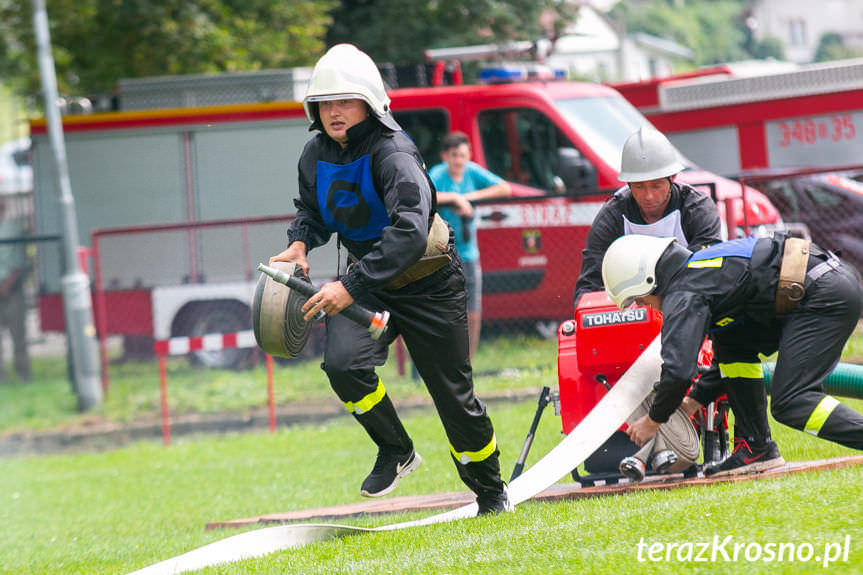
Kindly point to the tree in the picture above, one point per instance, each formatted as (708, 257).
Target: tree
(711, 29)
(831, 46)
(97, 42)
(399, 31)
(769, 47)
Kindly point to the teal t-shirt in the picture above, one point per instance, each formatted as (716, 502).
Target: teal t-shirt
(475, 178)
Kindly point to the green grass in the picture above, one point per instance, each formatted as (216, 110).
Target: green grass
(117, 511)
(48, 402)
(121, 510)
(505, 363)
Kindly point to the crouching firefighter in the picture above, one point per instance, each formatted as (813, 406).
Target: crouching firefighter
(362, 178)
(755, 296)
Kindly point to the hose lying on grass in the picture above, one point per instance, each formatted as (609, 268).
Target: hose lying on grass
(602, 421)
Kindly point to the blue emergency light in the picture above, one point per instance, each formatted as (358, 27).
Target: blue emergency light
(523, 72)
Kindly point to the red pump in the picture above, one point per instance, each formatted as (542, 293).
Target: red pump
(594, 350)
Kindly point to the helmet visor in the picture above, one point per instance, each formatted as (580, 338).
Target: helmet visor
(331, 97)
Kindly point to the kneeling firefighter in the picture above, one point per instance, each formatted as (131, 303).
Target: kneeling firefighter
(362, 178)
(756, 296)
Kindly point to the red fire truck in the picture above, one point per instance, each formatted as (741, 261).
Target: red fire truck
(151, 177)
(730, 119)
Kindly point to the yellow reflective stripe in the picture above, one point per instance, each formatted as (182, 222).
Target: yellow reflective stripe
(745, 370)
(466, 457)
(369, 401)
(714, 263)
(820, 415)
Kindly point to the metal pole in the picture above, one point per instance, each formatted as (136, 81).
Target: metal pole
(78, 307)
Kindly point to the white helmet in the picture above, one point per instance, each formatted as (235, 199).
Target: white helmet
(629, 267)
(648, 155)
(346, 72)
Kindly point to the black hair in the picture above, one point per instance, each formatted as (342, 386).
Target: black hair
(453, 140)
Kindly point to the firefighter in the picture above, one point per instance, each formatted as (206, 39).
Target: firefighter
(653, 204)
(756, 296)
(362, 178)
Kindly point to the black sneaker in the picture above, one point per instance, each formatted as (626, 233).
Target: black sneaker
(494, 502)
(632, 468)
(744, 459)
(389, 468)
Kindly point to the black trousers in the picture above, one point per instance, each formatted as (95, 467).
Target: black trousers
(746, 395)
(809, 342)
(430, 315)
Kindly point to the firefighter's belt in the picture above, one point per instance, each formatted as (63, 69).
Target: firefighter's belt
(435, 256)
(425, 266)
(792, 275)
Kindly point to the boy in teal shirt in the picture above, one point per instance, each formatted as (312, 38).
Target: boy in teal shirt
(458, 182)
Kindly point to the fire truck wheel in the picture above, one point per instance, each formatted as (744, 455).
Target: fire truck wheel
(547, 329)
(222, 316)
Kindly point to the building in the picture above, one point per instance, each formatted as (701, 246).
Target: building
(594, 47)
(800, 24)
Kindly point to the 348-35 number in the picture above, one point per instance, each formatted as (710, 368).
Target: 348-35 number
(835, 128)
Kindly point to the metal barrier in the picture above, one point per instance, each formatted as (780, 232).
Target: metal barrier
(185, 279)
(208, 342)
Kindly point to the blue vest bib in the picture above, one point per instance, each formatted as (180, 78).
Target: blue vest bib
(712, 257)
(348, 201)
(741, 248)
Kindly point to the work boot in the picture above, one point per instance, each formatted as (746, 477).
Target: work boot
(491, 502)
(746, 459)
(632, 468)
(389, 468)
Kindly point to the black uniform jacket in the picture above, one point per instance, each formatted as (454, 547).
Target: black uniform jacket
(698, 218)
(401, 183)
(740, 292)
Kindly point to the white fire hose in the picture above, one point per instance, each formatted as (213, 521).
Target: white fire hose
(608, 415)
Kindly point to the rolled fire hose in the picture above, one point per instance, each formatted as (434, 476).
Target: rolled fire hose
(277, 320)
(277, 317)
(608, 415)
(677, 434)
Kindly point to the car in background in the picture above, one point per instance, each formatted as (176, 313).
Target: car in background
(16, 168)
(830, 205)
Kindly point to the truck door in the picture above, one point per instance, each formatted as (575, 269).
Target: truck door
(531, 244)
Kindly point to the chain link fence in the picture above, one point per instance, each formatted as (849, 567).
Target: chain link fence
(821, 205)
(157, 282)
(185, 280)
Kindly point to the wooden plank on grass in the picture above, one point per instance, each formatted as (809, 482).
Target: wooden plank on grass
(557, 492)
